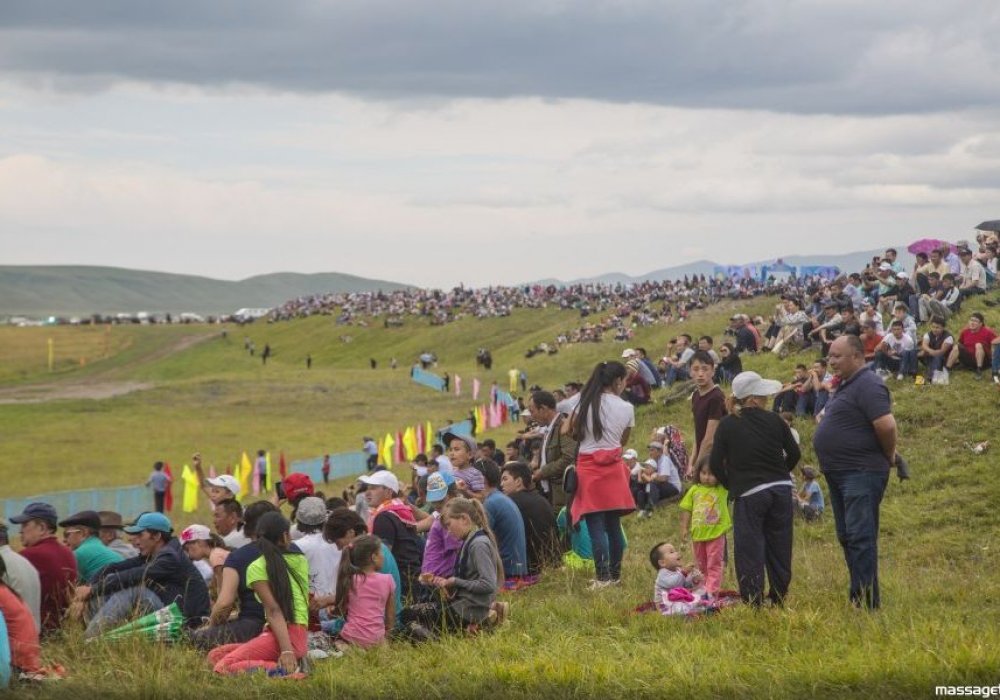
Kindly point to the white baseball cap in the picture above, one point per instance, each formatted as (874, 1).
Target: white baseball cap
(193, 533)
(752, 384)
(630, 454)
(382, 478)
(225, 481)
(629, 352)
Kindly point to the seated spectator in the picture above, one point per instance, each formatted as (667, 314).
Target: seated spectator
(972, 277)
(280, 581)
(80, 535)
(707, 344)
(541, 534)
(160, 575)
(974, 342)
(654, 377)
(677, 366)
(461, 452)
(233, 590)
(729, 365)
(111, 534)
(897, 353)
(870, 313)
(577, 540)
(659, 481)
(809, 500)
(788, 325)
(22, 632)
(827, 320)
(936, 346)
(392, 521)
(342, 527)
(637, 390)
(870, 339)
(942, 300)
(818, 388)
(507, 525)
(901, 313)
(228, 520)
(55, 563)
(206, 551)
(788, 398)
(323, 557)
(365, 597)
(440, 548)
(21, 576)
(746, 341)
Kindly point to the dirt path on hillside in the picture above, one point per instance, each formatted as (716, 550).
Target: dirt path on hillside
(98, 386)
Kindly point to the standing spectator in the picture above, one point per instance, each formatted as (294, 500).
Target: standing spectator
(558, 448)
(708, 406)
(752, 457)
(602, 424)
(856, 445)
(371, 451)
(54, 562)
(159, 481)
(21, 576)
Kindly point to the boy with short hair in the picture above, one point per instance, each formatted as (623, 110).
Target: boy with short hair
(708, 406)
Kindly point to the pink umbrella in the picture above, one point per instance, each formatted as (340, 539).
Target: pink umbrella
(926, 245)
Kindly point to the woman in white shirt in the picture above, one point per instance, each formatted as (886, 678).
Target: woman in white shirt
(601, 423)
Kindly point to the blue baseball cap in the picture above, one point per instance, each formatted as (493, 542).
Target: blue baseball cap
(36, 511)
(438, 484)
(150, 521)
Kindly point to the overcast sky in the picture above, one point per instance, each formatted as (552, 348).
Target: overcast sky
(438, 142)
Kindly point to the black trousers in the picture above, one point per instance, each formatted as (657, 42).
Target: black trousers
(762, 539)
(158, 498)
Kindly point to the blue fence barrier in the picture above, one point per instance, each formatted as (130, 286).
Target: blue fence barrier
(130, 501)
(422, 376)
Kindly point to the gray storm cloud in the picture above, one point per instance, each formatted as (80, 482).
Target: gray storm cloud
(849, 57)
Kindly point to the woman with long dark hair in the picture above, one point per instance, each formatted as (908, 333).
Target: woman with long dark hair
(280, 580)
(602, 423)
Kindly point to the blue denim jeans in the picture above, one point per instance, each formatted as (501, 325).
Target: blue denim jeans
(996, 359)
(905, 364)
(607, 543)
(676, 374)
(118, 608)
(855, 496)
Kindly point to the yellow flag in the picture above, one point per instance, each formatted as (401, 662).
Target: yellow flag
(190, 479)
(387, 445)
(410, 442)
(270, 474)
(428, 438)
(246, 473)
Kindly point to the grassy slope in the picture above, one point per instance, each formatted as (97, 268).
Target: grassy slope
(938, 625)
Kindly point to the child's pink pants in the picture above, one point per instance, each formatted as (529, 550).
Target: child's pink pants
(709, 555)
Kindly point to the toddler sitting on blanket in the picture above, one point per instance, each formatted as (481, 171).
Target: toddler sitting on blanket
(669, 575)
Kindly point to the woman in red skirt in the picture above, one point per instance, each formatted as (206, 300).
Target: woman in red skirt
(601, 423)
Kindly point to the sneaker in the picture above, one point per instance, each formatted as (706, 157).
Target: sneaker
(996, 378)
(979, 375)
(597, 585)
(899, 377)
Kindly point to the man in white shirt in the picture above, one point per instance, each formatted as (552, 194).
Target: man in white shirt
(897, 352)
(323, 557)
(227, 518)
(973, 274)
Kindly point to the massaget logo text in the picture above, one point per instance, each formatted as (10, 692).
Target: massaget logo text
(967, 691)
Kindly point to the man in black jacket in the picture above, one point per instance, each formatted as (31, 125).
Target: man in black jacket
(160, 575)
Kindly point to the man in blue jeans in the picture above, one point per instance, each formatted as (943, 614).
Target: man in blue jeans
(856, 446)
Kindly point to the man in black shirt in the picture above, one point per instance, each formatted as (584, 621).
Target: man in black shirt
(541, 533)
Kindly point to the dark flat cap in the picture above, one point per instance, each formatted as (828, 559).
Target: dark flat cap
(86, 518)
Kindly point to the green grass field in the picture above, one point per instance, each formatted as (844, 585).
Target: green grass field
(938, 560)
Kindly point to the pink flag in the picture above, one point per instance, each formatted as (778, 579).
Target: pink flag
(420, 437)
(458, 385)
(475, 389)
(400, 455)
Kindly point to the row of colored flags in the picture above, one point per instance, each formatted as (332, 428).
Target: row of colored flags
(404, 445)
(252, 475)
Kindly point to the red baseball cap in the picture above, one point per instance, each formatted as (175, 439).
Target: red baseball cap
(297, 485)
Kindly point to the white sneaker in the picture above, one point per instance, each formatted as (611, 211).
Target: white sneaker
(596, 585)
(899, 377)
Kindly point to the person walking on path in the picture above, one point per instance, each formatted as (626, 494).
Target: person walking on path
(855, 442)
(752, 455)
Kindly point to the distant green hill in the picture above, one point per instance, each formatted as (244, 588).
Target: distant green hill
(37, 290)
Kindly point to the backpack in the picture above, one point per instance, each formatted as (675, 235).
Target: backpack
(674, 444)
